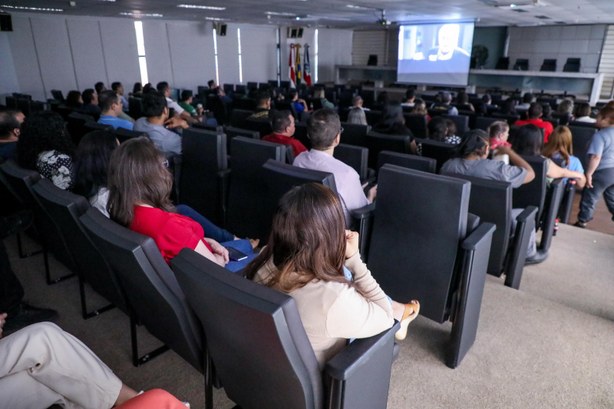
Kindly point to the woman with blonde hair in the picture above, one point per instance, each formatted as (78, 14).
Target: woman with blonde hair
(560, 150)
(314, 259)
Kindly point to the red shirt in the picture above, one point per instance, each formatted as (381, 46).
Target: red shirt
(540, 123)
(172, 232)
(297, 146)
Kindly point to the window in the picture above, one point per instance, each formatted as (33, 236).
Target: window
(315, 58)
(217, 72)
(140, 46)
(240, 59)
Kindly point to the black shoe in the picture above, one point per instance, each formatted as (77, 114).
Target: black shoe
(536, 259)
(580, 224)
(27, 315)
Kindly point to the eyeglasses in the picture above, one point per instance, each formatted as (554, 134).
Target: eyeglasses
(165, 163)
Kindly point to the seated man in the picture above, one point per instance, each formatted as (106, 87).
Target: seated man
(197, 113)
(10, 127)
(263, 107)
(111, 106)
(90, 103)
(282, 123)
(535, 118)
(444, 104)
(158, 125)
(324, 129)
(165, 89)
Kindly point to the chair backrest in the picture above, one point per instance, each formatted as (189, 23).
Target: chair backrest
(153, 294)
(377, 142)
(255, 337)
(522, 64)
(300, 133)
(57, 95)
(65, 208)
(373, 117)
(353, 156)
(135, 107)
(354, 134)
(581, 139)
(261, 125)
(232, 132)
(461, 122)
(510, 118)
(75, 124)
(417, 124)
(95, 126)
(503, 63)
(534, 192)
(483, 122)
(238, 116)
(203, 161)
(123, 134)
(419, 221)
(548, 65)
(440, 151)
(572, 65)
(407, 160)
(247, 189)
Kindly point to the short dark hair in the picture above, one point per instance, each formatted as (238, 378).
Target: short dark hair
(583, 109)
(323, 126)
(279, 120)
(535, 110)
(72, 98)
(186, 94)
(106, 99)
(88, 95)
(99, 86)
(527, 140)
(153, 104)
(162, 86)
(92, 162)
(210, 83)
(473, 141)
(115, 85)
(263, 96)
(8, 122)
(527, 98)
(410, 93)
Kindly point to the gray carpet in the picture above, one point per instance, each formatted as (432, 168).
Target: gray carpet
(548, 345)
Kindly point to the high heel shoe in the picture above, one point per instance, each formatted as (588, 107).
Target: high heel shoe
(412, 309)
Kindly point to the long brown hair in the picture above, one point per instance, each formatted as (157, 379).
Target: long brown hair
(307, 240)
(137, 174)
(559, 141)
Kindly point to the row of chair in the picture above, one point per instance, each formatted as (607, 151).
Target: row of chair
(549, 64)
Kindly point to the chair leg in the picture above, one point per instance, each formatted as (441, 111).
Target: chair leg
(136, 360)
(48, 270)
(87, 315)
(20, 247)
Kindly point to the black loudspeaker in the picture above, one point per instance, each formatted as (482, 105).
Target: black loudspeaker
(372, 59)
(299, 33)
(222, 31)
(6, 22)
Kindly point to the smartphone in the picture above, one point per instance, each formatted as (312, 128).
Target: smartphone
(235, 255)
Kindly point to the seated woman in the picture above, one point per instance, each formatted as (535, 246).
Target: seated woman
(313, 258)
(528, 140)
(139, 198)
(559, 148)
(393, 123)
(45, 146)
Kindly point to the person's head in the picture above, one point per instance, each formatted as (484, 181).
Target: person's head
(392, 115)
(438, 128)
(474, 142)
(154, 105)
(92, 162)
(509, 106)
(293, 94)
(450, 127)
(356, 115)
(528, 140)
(90, 97)
(163, 88)
(605, 118)
(147, 88)
(137, 174)
(535, 110)
(448, 37)
(383, 97)
(282, 122)
(118, 88)
(462, 98)
(410, 95)
(499, 130)
(307, 237)
(560, 142)
(110, 103)
(73, 99)
(486, 99)
(419, 107)
(99, 87)
(211, 84)
(582, 109)
(186, 96)
(565, 107)
(357, 101)
(446, 97)
(323, 129)
(137, 88)
(41, 132)
(527, 98)
(264, 99)
(10, 124)
(546, 110)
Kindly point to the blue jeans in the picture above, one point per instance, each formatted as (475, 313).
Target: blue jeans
(603, 183)
(244, 246)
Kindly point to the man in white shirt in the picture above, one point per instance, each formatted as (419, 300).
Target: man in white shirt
(165, 89)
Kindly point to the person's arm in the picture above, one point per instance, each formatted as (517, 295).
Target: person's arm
(2, 321)
(555, 171)
(593, 162)
(218, 249)
(372, 194)
(204, 251)
(517, 160)
(175, 122)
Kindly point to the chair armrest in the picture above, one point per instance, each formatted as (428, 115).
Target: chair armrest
(362, 219)
(555, 195)
(525, 225)
(365, 364)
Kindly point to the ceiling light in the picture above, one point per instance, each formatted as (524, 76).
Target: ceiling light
(197, 6)
(215, 19)
(279, 13)
(4, 6)
(355, 7)
(138, 14)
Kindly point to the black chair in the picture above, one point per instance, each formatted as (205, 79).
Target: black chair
(582, 124)
(95, 126)
(123, 134)
(204, 173)
(135, 107)
(581, 139)
(572, 65)
(552, 203)
(421, 247)
(548, 65)
(491, 200)
(238, 116)
(153, 295)
(510, 118)
(483, 122)
(355, 157)
(21, 181)
(417, 124)
(263, 126)
(440, 151)
(232, 132)
(406, 160)
(57, 95)
(503, 63)
(247, 189)
(522, 64)
(373, 117)
(65, 208)
(534, 192)
(75, 124)
(377, 142)
(354, 134)
(257, 343)
(300, 133)
(569, 192)
(461, 122)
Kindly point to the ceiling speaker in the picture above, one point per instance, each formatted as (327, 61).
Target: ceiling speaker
(6, 22)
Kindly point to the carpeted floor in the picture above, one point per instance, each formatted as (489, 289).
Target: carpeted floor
(547, 345)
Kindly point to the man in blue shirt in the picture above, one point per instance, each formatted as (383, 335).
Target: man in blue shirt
(111, 105)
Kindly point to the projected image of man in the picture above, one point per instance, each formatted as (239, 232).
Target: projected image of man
(448, 49)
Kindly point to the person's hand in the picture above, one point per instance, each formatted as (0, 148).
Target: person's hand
(589, 180)
(2, 322)
(176, 122)
(372, 194)
(351, 248)
(218, 250)
(502, 150)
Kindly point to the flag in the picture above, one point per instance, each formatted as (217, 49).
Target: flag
(306, 67)
(291, 72)
(299, 71)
